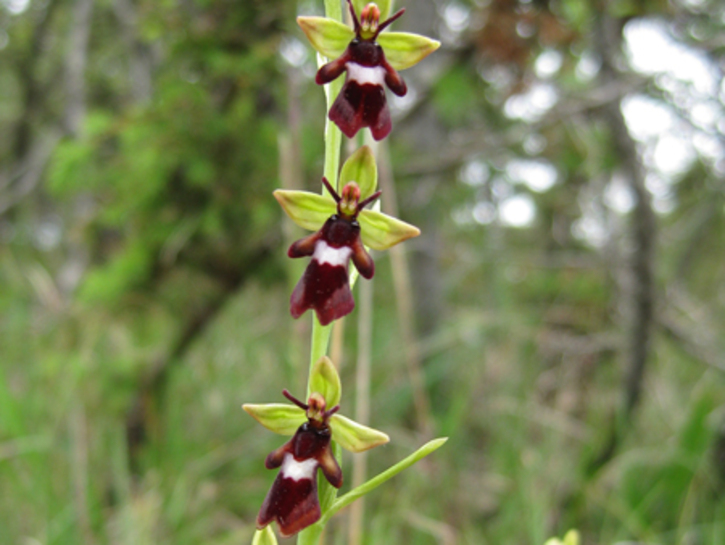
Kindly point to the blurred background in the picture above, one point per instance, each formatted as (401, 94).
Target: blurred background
(561, 317)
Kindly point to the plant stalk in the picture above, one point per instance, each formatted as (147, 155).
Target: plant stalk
(320, 333)
(362, 404)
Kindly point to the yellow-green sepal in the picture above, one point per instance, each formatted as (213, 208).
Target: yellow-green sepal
(383, 5)
(404, 49)
(360, 168)
(380, 231)
(308, 210)
(277, 417)
(353, 436)
(325, 381)
(329, 37)
(572, 537)
(265, 536)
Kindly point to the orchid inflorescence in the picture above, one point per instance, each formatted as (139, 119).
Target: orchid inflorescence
(345, 225)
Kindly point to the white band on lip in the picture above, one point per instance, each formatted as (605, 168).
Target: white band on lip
(292, 469)
(374, 75)
(337, 257)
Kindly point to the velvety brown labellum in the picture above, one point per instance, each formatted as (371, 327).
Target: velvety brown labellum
(325, 285)
(292, 501)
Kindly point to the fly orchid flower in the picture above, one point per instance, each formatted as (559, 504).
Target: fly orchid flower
(371, 60)
(343, 228)
(293, 501)
(325, 285)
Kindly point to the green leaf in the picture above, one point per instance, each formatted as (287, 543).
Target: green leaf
(380, 231)
(404, 49)
(383, 6)
(360, 168)
(277, 417)
(353, 436)
(308, 210)
(355, 493)
(264, 537)
(327, 36)
(325, 381)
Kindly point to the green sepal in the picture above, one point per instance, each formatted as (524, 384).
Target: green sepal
(571, 538)
(325, 381)
(380, 231)
(277, 417)
(353, 436)
(311, 210)
(308, 210)
(404, 49)
(327, 36)
(264, 536)
(383, 6)
(360, 168)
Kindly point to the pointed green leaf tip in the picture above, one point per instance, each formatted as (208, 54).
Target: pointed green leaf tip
(327, 36)
(353, 436)
(264, 537)
(360, 167)
(368, 486)
(308, 210)
(380, 231)
(325, 381)
(403, 49)
(277, 417)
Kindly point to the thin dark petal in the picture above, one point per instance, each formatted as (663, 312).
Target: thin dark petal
(382, 26)
(355, 20)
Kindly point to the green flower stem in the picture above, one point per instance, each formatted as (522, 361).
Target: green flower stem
(333, 140)
(347, 499)
(320, 333)
(333, 136)
(310, 535)
(318, 348)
